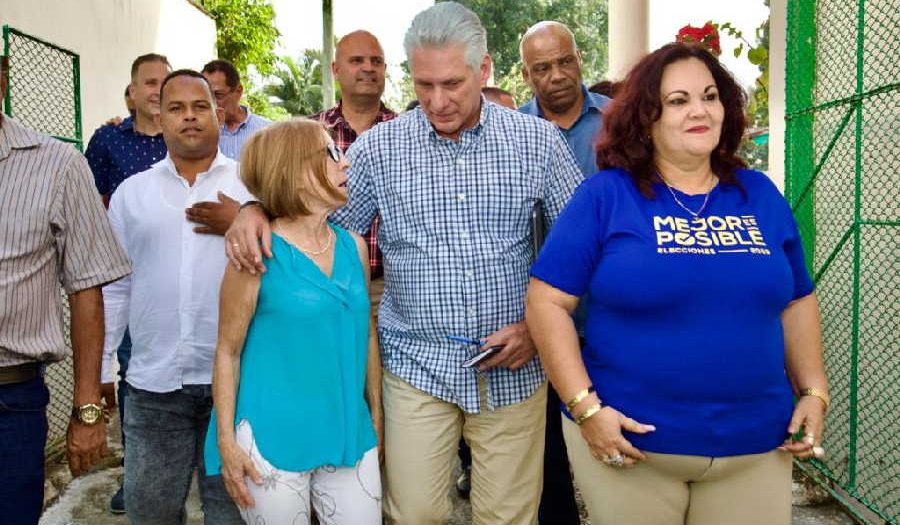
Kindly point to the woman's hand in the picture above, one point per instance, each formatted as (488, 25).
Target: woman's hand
(603, 434)
(809, 415)
(236, 466)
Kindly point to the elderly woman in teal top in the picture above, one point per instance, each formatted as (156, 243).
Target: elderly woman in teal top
(297, 369)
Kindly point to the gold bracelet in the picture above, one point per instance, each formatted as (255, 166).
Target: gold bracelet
(819, 393)
(591, 410)
(579, 397)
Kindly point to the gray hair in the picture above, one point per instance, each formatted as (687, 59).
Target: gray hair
(445, 24)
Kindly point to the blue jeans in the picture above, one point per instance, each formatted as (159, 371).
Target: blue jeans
(164, 435)
(23, 435)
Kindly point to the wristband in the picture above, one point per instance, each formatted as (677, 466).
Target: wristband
(591, 410)
(251, 203)
(579, 397)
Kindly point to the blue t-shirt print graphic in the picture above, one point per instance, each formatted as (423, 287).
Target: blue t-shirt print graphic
(709, 235)
(683, 326)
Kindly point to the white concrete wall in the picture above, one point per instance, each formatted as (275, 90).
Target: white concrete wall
(777, 87)
(109, 35)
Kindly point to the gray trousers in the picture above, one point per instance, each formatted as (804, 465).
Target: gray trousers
(164, 436)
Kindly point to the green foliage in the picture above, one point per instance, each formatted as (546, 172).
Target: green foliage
(405, 87)
(260, 105)
(507, 20)
(297, 84)
(754, 152)
(245, 33)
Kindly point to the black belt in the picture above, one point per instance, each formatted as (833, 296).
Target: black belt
(10, 375)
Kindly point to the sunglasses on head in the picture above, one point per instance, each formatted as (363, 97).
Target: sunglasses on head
(334, 152)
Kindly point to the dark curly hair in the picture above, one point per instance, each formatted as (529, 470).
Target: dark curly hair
(624, 140)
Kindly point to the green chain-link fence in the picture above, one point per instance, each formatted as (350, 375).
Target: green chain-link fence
(843, 180)
(44, 86)
(44, 94)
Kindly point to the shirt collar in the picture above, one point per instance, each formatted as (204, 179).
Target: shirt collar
(592, 101)
(168, 166)
(16, 136)
(243, 122)
(483, 118)
(335, 115)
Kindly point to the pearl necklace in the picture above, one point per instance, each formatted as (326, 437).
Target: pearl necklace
(693, 213)
(312, 253)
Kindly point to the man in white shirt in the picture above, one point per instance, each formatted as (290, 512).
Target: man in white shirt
(170, 304)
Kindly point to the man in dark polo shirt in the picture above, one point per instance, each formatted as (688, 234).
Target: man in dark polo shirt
(53, 231)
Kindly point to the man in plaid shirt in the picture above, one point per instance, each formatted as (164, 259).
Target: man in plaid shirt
(455, 182)
(359, 69)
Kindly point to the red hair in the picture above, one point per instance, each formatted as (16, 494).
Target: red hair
(624, 142)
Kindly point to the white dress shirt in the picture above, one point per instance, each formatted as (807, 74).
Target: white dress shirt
(171, 300)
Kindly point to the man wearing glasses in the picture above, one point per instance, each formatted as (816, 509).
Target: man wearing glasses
(239, 122)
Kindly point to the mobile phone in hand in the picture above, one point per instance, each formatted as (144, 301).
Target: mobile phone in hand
(488, 352)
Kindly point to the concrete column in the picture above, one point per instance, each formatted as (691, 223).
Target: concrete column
(628, 35)
(327, 54)
(777, 85)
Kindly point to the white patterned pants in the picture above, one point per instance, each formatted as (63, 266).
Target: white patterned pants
(340, 496)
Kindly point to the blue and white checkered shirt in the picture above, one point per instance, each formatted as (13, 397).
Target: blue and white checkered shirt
(231, 142)
(456, 238)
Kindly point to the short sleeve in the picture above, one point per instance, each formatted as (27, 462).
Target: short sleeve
(97, 155)
(359, 211)
(793, 249)
(792, 245)
(89, 253)
(573, 248)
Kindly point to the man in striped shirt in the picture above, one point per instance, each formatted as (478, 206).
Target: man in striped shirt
(53, 231)
(239, 122)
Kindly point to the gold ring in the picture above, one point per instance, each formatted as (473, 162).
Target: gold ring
(818, 452)
(236, 246)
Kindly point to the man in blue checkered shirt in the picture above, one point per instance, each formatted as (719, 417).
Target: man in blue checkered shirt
(454, 182)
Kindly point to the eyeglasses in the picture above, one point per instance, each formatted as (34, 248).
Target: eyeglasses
(219, 95)
(334, 152)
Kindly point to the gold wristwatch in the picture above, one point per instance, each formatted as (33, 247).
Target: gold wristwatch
(89, 414)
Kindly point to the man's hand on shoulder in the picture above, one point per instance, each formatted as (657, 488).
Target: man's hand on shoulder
(242, 240)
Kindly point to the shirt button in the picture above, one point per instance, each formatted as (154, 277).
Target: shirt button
(460, 161)
(470, 274)
(461, 197)
(472, 312)
(464, 234)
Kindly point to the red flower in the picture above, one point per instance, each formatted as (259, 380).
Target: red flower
(706, 35)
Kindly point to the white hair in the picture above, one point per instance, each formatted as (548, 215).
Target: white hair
(445, 24)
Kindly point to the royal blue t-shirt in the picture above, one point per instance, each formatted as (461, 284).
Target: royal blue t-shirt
(684, 315)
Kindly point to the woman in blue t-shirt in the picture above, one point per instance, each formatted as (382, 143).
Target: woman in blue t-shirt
(297, 374)
(701, 322)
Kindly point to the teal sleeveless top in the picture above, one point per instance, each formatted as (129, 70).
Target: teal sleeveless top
(303, 366)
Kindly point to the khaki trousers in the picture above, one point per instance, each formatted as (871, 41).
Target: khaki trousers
(421, 438)
(671, 489)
